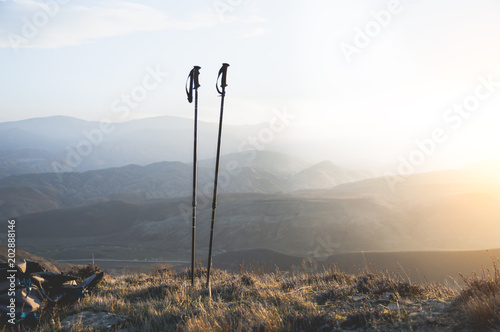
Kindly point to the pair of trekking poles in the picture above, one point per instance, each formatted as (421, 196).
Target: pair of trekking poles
(193, 83)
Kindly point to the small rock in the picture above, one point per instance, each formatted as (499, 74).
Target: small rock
(394, 306)
(406, 301)
(440, 306)
(434, 301)
(388, 296)
(417, 314)
(359, 297)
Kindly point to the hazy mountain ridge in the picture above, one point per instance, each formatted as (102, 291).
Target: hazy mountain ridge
(435, 211)
(265, 172)
(279, 164)
(33, 145)
(268, 200)
(326, 175)
(167, 138)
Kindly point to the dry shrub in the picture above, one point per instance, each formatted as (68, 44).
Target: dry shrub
(83, 271)
(247, 280)
(479, 302)
(162, 271)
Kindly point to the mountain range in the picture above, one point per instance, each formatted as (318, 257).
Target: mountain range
(126, 200)
(65, 144)
(266, 172)
(449, 210)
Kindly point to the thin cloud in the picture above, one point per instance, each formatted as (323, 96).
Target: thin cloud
(80, 24)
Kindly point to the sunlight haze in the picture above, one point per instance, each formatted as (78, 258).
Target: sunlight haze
(79, 58)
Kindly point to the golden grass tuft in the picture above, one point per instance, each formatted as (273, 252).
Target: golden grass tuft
(479, 302)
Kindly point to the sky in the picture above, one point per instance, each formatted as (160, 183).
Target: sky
(366, 67)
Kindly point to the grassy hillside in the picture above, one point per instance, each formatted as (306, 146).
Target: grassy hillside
(306, 300)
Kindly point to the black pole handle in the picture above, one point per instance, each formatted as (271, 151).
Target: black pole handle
(194, 82)
(223, 84)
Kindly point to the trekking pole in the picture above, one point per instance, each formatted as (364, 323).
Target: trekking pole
(222, 75)
(194, 84)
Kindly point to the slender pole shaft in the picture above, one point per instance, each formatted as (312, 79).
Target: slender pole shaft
(216, 180)
(195, 159)
(193, 83)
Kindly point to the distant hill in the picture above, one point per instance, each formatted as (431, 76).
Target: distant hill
(34, 145)
(255, 258)
(61, 143)
(326, 175)
(434, 211)
(258, 172)
(51, 134)
(278, 164)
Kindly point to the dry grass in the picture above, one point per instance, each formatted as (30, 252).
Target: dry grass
(254, 300)
(479, 302)
(83, 272)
